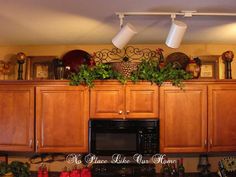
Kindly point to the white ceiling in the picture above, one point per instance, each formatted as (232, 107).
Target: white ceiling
(32, 22)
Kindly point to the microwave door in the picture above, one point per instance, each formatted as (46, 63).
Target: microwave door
(111, 142)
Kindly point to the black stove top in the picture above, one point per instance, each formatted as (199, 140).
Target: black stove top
(126, 170)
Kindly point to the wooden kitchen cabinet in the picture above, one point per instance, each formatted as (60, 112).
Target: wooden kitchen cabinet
(222, 117)
(107, 101)
(16, 118)
(183, 118)
(141, 101)
(199, 118)
(124, 101)
(62, 114)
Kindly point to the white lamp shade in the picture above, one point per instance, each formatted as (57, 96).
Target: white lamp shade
(124, 36)
(176, 34)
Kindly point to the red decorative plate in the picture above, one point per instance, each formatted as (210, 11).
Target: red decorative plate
(75, 58)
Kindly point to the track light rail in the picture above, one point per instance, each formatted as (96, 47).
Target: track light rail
(176, 32)
(182, 13)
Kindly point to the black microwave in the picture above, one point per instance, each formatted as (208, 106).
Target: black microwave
(127, 137)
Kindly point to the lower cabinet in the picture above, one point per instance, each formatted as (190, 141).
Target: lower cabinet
(183, 119)
(222, 117)
(62, 115)
(16, 118)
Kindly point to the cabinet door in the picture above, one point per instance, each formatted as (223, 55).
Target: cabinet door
(141, 101)
(222, 117)
(183, 118)
(16, 118)
(107, 101)
(62, 119)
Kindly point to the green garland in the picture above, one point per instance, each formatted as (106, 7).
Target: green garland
(17, 168)
(148, 70)
(87, 74)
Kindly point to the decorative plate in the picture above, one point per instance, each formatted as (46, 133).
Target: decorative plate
(178, 59)
(74, 58)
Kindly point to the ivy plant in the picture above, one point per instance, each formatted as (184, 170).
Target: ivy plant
(87, 74)
(4, 168)
(15, 168)
(148, 70)
(20, 169)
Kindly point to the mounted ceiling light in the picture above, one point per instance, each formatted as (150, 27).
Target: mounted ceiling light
(176, 32)
(125, 34)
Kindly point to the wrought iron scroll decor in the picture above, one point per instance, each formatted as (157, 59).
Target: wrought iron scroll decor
(129, 53)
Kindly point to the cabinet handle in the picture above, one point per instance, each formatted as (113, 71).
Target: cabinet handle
(120, 112)
(127, 112)
(205, 142)
(30, 143)
(37, 144)
(211, 143)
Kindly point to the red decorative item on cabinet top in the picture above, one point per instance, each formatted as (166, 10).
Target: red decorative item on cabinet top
(74, 58)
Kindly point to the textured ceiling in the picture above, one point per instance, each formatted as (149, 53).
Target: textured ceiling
(33, 22)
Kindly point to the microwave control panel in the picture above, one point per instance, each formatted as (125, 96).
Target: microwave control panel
(150, 143)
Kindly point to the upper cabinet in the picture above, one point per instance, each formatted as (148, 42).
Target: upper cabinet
(49, 116)
(183, 118)
(124, 101)
(16, 118)
(222, 117)
(62, 114)
(107, 101)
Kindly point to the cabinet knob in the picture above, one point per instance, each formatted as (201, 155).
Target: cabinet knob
(120, 112)
(127, 112)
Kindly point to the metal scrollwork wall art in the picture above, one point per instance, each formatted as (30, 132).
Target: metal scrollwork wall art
(129, 53)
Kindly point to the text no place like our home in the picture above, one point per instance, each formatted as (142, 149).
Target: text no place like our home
(118, 159)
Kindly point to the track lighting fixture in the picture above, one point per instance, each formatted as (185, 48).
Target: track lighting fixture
(124, 36)
(176, 32)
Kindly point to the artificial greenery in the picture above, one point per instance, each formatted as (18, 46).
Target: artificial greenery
(87, 74)
(18, 169)
(148, 70)
(4, 168)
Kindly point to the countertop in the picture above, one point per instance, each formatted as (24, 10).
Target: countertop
(57, 174)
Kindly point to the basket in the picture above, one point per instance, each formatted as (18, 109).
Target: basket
(125, 68)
